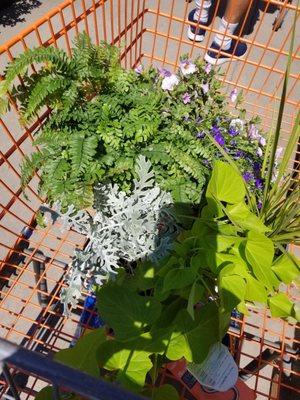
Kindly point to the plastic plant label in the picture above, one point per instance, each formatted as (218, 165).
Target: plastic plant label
(218, 371)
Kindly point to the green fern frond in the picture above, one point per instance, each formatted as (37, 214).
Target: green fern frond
(82, 150)
(52, 56)
(189, 164)
(29, 166)
(45, 87)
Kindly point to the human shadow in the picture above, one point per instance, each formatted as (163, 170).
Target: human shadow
(13, 12)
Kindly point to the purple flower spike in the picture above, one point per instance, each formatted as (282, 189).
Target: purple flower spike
(259, 184)
(233, 95)
(207, 68)
(232, 131)
(233, 143)
(186, 98)
(259, 204)
(247, 176)
(139, 69)
(219, 138)
(205, 88)
(199, 120)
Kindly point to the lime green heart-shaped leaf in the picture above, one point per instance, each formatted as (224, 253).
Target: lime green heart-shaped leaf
(259, 252)
(280, 305)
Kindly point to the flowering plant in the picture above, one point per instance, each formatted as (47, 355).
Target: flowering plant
(163, 115)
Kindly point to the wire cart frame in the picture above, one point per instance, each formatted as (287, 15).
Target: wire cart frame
(33, 261)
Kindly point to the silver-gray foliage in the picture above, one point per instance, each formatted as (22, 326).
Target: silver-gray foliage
(124, 228)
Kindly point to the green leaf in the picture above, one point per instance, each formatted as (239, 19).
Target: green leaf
(132, 365)
(259, 253)
(220, 242)
(285, 268)
(226, 184)
(198, 261)
(45, 394)
(83, 355)
(255, 290)
(144, 276)
(165, 392)
(192, 339)
(296, 312)
(193, 299)
(280, 305)
(178, 278)
(125, 311)
(241, 215)
(232, 290)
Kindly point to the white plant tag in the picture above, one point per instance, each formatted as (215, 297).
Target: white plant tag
(218, 371)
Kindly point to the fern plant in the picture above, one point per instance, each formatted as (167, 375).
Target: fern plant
(104, 117)
(62, 82)
(124, 229)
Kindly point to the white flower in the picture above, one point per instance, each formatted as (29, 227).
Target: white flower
(139, 69)
(205, 87)
(259, 152)
(253, 132)
(237, 124)
(233, 95)
(262, 140)
(187, 67)
(207, 68)
(169, 82)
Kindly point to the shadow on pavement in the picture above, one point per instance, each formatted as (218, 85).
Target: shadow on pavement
(13, 11)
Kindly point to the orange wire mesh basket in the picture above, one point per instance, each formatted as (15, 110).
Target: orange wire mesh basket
(148, 32)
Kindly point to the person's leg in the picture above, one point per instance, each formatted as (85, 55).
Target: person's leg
(234, 13)
(199, 14)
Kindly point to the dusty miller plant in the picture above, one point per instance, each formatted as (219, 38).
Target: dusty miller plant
(125, 228)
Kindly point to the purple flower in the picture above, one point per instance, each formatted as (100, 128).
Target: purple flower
(186, 118)
(187, 67)
(253, 132)
(232, 131)
(219, 138)
(207, 68)
(199, 120)
(205, 87)
(258, 183)
(233, 143)
(186, 98)
(233, 95)
(200, 135)
(169, 82)
(247, 176)
(215, 129)
(164, 73)
(259, 204)
(256, 166)
(239, 154)
(139, 69)
(262, 141)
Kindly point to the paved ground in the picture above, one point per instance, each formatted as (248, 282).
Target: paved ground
(21, 309)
